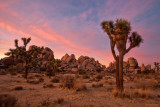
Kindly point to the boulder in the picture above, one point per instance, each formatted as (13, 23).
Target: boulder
(132, 63)
(74, 69)
(64, 57)
(7, 61)
(47, 54)
(90, 67)
(84, 64)
(148, 67)
(71, 58)
(143, 68)
(81, 59)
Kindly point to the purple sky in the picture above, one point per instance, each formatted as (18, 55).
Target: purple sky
(73, 26)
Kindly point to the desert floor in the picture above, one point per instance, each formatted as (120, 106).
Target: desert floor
(140, 91)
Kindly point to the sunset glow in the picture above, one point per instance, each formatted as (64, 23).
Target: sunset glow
(73, 26)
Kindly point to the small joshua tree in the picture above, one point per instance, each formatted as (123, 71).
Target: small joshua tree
(156, 68)
(50, 68)
(29, 57)
(119, 34)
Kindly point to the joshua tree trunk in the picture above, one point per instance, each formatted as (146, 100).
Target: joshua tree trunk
(50, 74)
(117, 73)
(26, 72)
(121, 71)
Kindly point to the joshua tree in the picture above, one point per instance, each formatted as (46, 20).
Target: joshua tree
(156, 68)
(50, 68)
(30, 57)
(118, 33)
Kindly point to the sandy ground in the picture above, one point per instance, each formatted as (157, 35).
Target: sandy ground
(34, 95)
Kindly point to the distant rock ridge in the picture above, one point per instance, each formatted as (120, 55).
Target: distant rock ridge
(70, 63)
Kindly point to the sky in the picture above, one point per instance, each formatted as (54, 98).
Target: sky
(73, 26)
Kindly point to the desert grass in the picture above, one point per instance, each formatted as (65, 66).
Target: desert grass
(143, 93)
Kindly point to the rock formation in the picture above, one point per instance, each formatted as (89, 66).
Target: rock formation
(132, 63)
(69, 62)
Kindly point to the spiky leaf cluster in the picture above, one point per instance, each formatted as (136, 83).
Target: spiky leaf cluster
(135, 39)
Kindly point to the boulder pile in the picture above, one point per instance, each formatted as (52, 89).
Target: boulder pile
(130, 65)
(69, 63)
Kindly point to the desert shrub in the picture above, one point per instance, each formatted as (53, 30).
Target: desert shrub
(55, 80)
(112, 71)
(109, 89)
(33, 81)
(45, 103)
(148, 71)
(68, 81)
(18, 88)
(86, 76)
(143, 93)
(82, 72)
(37, 75)
(42, 68)
(13, 73)
(11, 69)
(119, 94)
(2, 72)
(79, 86)
(7, 100)
(48, 86)
(41, 80)
(110, 82)
(146, 83)
(77, 76)
(97, 84)
(59, 101)
(99, 76)
(30, 77)
(7, 61)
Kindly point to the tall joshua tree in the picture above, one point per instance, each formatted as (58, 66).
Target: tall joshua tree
(119, 33)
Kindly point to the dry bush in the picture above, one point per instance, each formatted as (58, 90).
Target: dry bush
(82, 72)
(13, 73)
(68, 81)
(109, 81)
(48, 86)
(33, 81)
(79, 86)
(55, 80)
(97, 84)
(45, 103)
(109, 89)
(18, 88)
(37, 75)
(143, 93)
(146, 83)
(119, 94)
(41, 79)
(7, 100)
(99, 76)
(59, 101)
(3, 72)
(86, 76)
